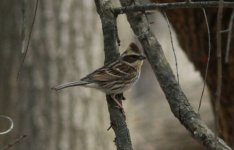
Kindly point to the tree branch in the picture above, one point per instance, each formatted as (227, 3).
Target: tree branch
(17, 141)
(175, 5)
(176, 98)
(229, 37)
(122, 140)
(219, 65)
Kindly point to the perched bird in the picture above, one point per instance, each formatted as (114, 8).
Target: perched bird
(115, 77)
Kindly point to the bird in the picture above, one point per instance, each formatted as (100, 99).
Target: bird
(114, 77)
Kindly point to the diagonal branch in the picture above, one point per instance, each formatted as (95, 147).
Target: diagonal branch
(208, 60)
(176, 98)
(118, 123)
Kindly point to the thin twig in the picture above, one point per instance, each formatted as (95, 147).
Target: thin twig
(229, 37)
(175, 5)
(11, 125)
(30, 34)
(219, 65)
(23, 32)
(116, 32)
(208, 59)
(172, 45)
(224, 31)
(10, 145)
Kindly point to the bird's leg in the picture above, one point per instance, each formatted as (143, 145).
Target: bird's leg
(120, 106)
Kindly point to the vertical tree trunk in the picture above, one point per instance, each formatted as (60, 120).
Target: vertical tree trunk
(192, 34)
(65, 46)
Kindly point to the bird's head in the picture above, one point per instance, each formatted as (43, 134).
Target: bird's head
(133, 56)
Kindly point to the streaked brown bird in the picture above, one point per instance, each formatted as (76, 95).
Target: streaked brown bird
(115, 77)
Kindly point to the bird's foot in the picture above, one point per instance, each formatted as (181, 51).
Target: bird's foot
(119, 105)
(120, 96)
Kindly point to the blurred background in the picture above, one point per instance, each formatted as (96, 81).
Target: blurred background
(67, 44)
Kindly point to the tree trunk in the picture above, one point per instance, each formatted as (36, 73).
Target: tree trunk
(192, 34)
(65, 46)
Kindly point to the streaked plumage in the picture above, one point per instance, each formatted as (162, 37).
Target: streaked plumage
(115, 77)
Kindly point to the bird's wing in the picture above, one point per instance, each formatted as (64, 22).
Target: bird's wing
(110, 72)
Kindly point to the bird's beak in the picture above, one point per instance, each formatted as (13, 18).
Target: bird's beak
(142, 57)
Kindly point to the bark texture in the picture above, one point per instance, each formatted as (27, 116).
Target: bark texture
(118, 120)
(192, 34)
(65, 46)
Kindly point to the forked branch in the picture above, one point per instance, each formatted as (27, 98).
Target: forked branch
(175, 96)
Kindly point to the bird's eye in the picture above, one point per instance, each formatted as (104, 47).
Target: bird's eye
(131, 58)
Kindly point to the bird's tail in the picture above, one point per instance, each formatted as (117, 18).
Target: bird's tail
(70, 84)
